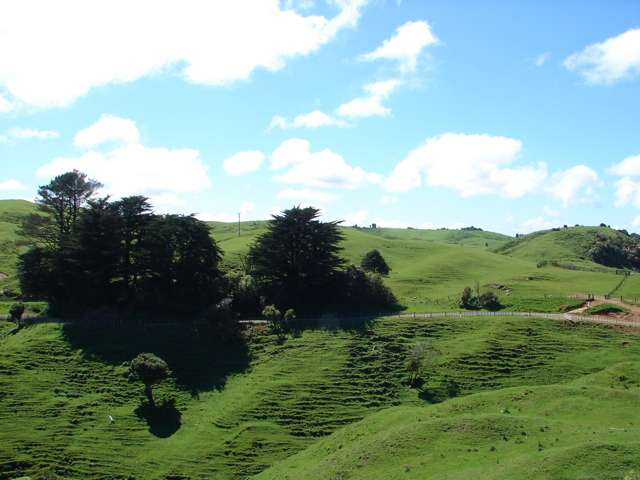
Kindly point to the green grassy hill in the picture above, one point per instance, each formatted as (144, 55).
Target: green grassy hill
(10, 243)
(567, 245)
(514, 398)
(429, 267)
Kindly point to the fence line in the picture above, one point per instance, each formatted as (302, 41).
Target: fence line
(566, 317)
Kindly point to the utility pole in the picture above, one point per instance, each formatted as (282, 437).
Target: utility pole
(238, 223)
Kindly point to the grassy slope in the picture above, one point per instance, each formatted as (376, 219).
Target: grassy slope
(245, 411)
(578, 430)
(431, 267)
(566, 245)
(10, 213)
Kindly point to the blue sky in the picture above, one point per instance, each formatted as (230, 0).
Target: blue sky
(512, 116)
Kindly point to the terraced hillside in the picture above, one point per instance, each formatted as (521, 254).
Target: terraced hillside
(243, 410)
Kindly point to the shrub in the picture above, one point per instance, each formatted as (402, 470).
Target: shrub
(468, 300)
(490, 301)
(374, 262)
(150, 370)
(357, 290)
(274, 317)
(422, 355)
(16, 311)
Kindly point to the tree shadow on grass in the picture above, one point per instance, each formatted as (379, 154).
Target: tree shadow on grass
(199, 358)
(164, 420)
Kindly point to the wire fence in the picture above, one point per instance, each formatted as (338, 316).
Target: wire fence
(329, 319)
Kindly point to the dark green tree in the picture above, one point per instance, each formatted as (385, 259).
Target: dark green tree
(297, 258)
(182, 265)
(150, 370)
(373, 261)
(60, 203)
(134, 215)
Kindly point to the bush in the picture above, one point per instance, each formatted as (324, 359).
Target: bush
(374, 262)
(490, 301)
(16, 311)
(358, 290)
(150, 370)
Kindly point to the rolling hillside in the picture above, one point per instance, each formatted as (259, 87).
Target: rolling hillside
(567, 245)
(506, 398)
(429, 267)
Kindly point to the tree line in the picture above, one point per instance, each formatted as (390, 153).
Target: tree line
(97, 256)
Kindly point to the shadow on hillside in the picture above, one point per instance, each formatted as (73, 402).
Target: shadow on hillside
(199, 359)
(356, 322)
(164, 420)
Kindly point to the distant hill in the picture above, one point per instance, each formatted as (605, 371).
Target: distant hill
(566, 245)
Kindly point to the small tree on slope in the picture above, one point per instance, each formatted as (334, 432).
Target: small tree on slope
(150, 370)
(374, 262)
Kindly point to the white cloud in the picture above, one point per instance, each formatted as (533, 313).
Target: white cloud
(5, 105)
(134, 169)
(9, 185)
(627, 192)
(609, 61)
(305, 195)
(541, 59)
(25, 133)
(322, 169)
(108, 128)
(52, 57)
(247, 209)
(535, 224)
(314, 119)
(627, 189)
(358, 217)
(573, 184)
(636, 222)
(370, 105)
(629, 166)
(469, 164)
(405, 46)
(388, 200)
(242, 163)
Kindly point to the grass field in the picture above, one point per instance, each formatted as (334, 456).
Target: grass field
(242, 411)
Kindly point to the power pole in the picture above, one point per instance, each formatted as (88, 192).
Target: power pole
(238, 223)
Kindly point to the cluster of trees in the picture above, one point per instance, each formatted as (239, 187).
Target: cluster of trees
(471, 300)
(620, 251)
(92, 254)
(95, 255)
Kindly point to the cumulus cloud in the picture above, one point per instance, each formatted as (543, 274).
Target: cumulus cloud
(573, 184)
(535, 224)
(371, 104)
(242, 163)
(627, 189)
(134, 169)
(11, 185)
(322, 169)
(69, 47)
(305, 195)
(314, 119)
(108, 128)
(627, 192)
(629, 167)
(609, 61)
(469, 164)
(405, 46)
